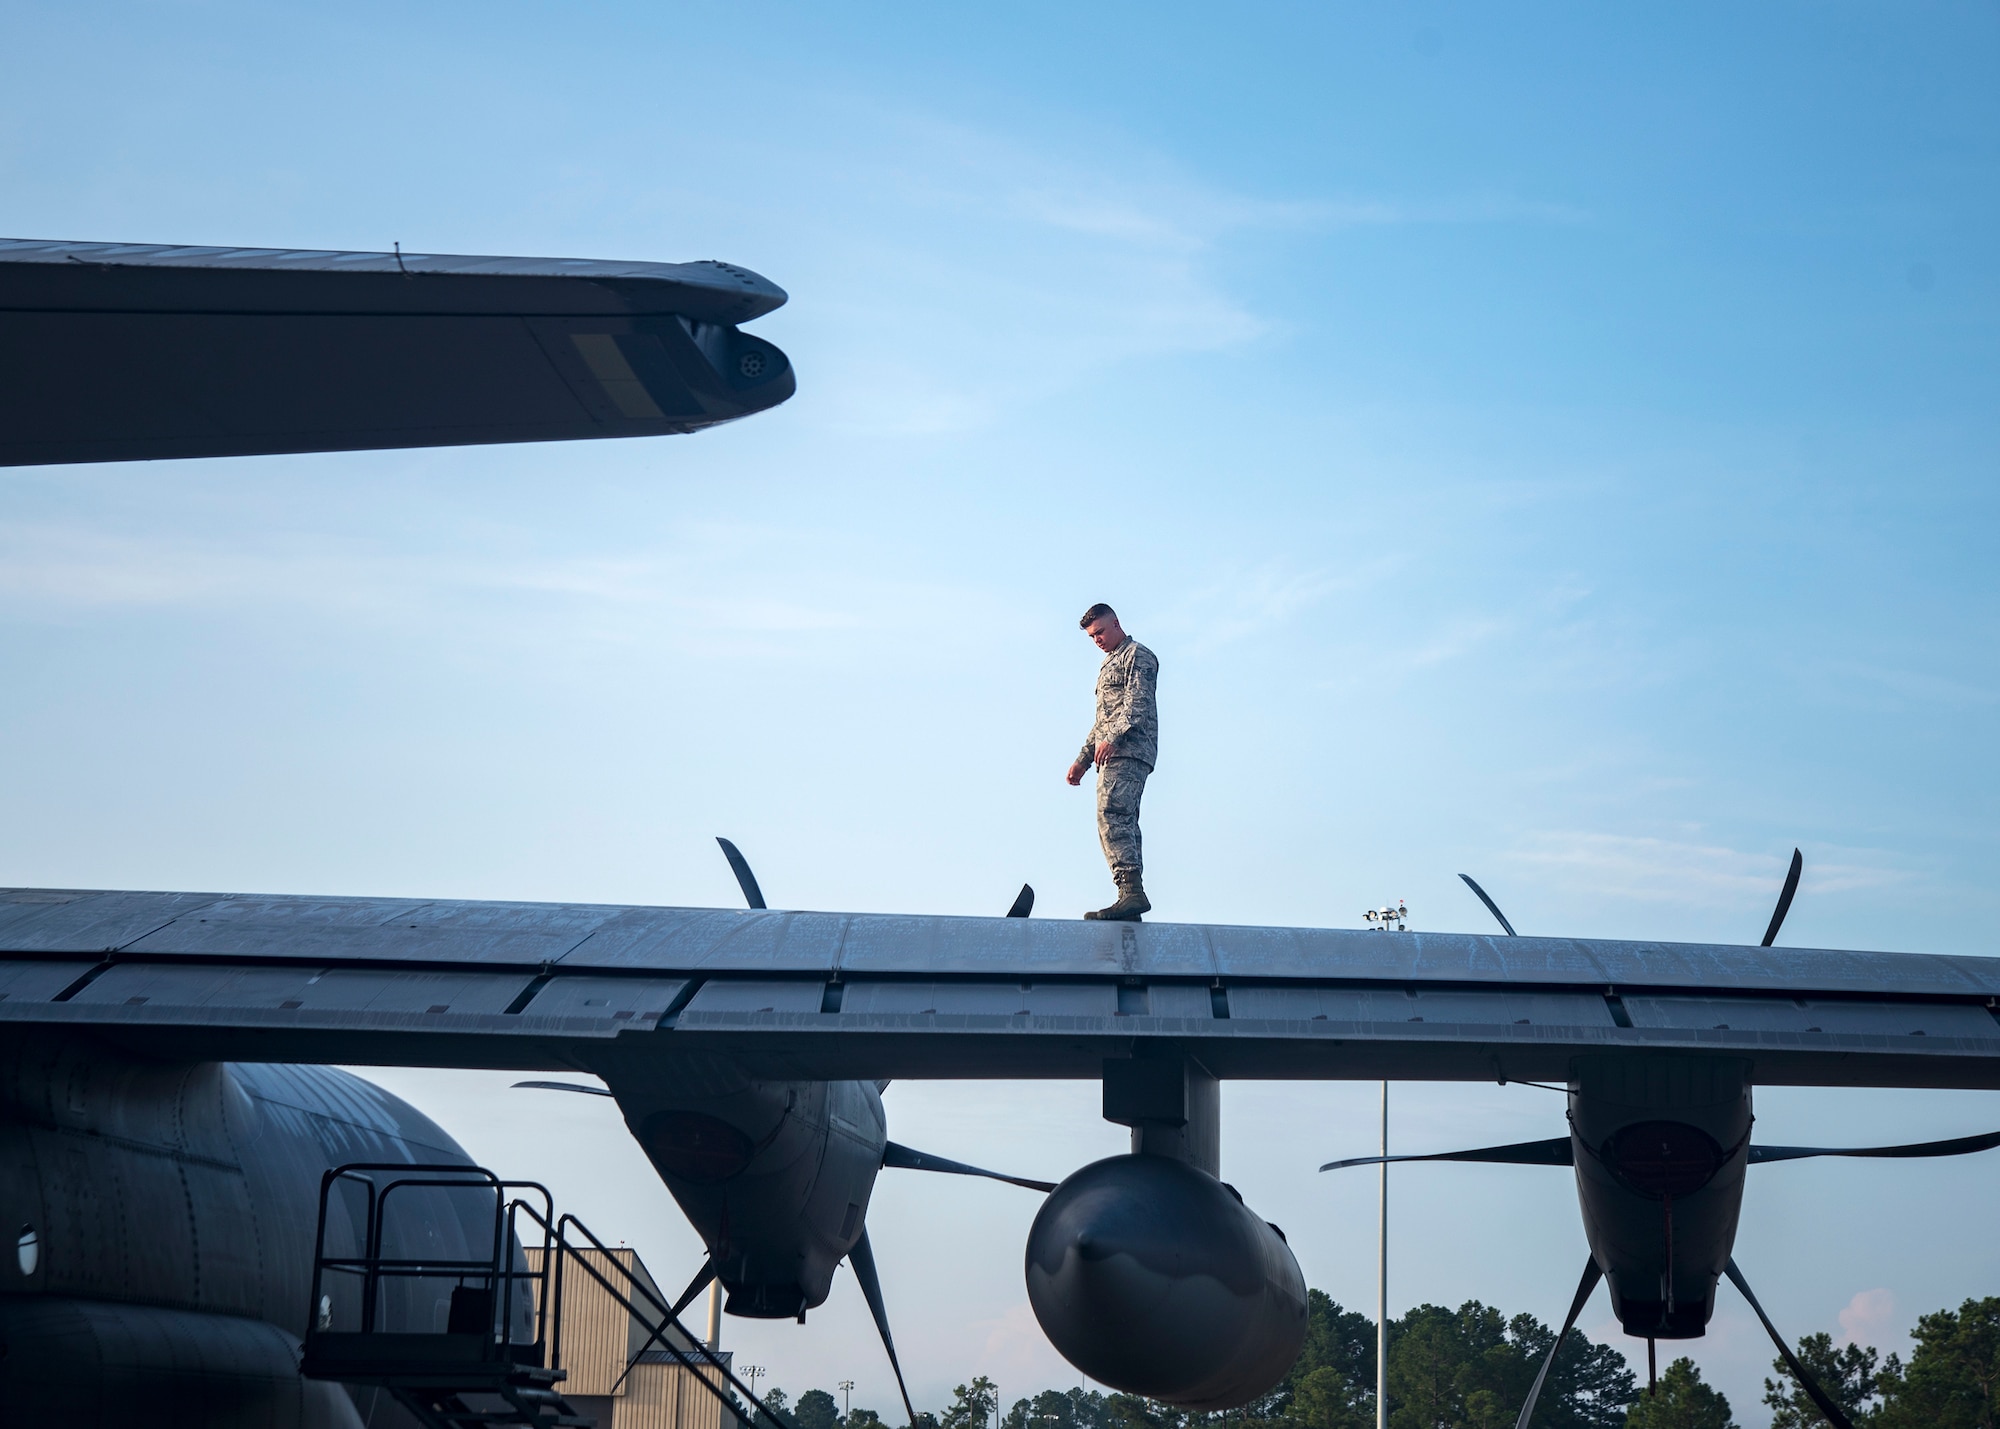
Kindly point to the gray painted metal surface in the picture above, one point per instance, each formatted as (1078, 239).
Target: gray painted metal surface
(809, 995)
(167, 277)
(122, 352)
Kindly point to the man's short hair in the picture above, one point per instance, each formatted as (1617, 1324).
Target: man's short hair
(1096, 612)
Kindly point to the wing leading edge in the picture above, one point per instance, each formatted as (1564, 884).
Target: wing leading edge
(837, 995)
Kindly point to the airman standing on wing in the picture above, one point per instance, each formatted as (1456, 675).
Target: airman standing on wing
(1124, 743)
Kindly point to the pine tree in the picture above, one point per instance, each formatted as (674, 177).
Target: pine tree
(1682, 1401)
(1847, 1375)
(1470, 1367)
(1953, 1379)
(971, 1405)
(816, 1409)
(1589, 1385)
(1436, 1358)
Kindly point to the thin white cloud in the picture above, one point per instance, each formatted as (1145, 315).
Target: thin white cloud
(1665, 870)
(1923, 687)
(970, 273)
(1456, 638)
(1240, 602)
(52, 570)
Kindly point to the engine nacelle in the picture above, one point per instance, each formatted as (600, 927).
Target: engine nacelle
(1661, 1143)
(1154, 1278)
(774, 1176)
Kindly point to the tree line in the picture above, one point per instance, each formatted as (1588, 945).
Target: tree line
(1470, 1368)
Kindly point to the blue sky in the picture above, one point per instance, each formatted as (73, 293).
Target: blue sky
(1556, 444)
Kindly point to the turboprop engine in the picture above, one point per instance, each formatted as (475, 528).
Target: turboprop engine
(1660, 1142)
(775, 1176)
(1152, 1276)
(1661, 1145)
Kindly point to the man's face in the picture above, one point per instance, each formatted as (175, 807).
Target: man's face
(1105, 633)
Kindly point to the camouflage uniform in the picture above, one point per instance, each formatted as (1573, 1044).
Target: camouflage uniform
(1128, 716)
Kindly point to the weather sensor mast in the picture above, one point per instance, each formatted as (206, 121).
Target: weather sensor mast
(1381, 919)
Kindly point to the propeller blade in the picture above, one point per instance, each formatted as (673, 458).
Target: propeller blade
(1491, 906)
(1785, 898)
(862, 1258)
(1956, 1146)
(1835, 1415)
(695, 1287)
(1591, 1275)
(1024, 903)
(745, 879)
(563, 1087)
(1553, 1152)
(904, 1158)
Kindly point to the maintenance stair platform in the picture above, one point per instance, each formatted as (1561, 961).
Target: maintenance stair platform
(443, 1285)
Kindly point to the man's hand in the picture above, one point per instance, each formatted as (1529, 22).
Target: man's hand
(1104, 753)
(1075, 775)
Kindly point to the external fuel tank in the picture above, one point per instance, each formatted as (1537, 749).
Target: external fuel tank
(1152, 1276)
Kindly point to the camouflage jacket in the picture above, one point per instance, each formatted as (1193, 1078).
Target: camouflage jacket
(1127, 712)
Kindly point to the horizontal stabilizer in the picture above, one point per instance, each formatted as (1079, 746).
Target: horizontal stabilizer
(135, 352)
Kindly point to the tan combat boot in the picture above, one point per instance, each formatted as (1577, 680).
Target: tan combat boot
(1132, 901)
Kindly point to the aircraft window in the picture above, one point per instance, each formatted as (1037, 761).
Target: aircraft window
(28, 1250)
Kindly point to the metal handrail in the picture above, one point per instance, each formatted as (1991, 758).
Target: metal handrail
(664, 1317)
(497, 1270)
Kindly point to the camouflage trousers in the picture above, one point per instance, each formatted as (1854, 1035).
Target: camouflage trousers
(1120, 783)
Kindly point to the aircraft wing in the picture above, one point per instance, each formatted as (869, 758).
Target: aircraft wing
(125, 352)
(837, 995)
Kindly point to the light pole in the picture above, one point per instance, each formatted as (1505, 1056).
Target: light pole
(846, 1388)
(753, 1373)
(1382, 1276)
(1383, 919)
